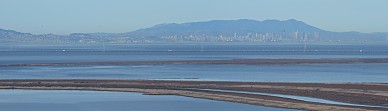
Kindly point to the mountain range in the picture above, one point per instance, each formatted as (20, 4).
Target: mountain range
(242, 30)
(229, 27)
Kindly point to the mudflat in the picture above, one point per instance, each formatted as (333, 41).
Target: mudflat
(374, 94)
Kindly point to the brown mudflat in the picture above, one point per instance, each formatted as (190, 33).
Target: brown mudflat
(358, 93)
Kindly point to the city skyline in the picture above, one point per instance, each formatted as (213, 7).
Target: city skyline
(73, 16)
(289, 31)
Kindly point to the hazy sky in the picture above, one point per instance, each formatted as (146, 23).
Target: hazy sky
(70, 16)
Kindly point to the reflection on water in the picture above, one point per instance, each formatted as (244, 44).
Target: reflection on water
(36, 100)
(276, 73)
(27, 54)
(355, 72)
(27, 100)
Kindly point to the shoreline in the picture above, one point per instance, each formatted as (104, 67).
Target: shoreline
(360, 93)
(215, 62)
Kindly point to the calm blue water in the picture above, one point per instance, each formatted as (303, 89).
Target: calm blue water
(272, 73)
(34, 100)
(100, 101)
(64, 53)
(357, 72)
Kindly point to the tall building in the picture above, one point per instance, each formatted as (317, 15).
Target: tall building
(296, 35)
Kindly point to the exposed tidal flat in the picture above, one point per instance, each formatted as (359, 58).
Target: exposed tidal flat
(351, 96)
(60, 100)
(76, 100)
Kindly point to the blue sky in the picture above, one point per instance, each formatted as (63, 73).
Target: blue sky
(72, 16)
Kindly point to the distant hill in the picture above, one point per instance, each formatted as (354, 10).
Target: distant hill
(4, 33)
(244, 27)
(242, 30)
(228, 27)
